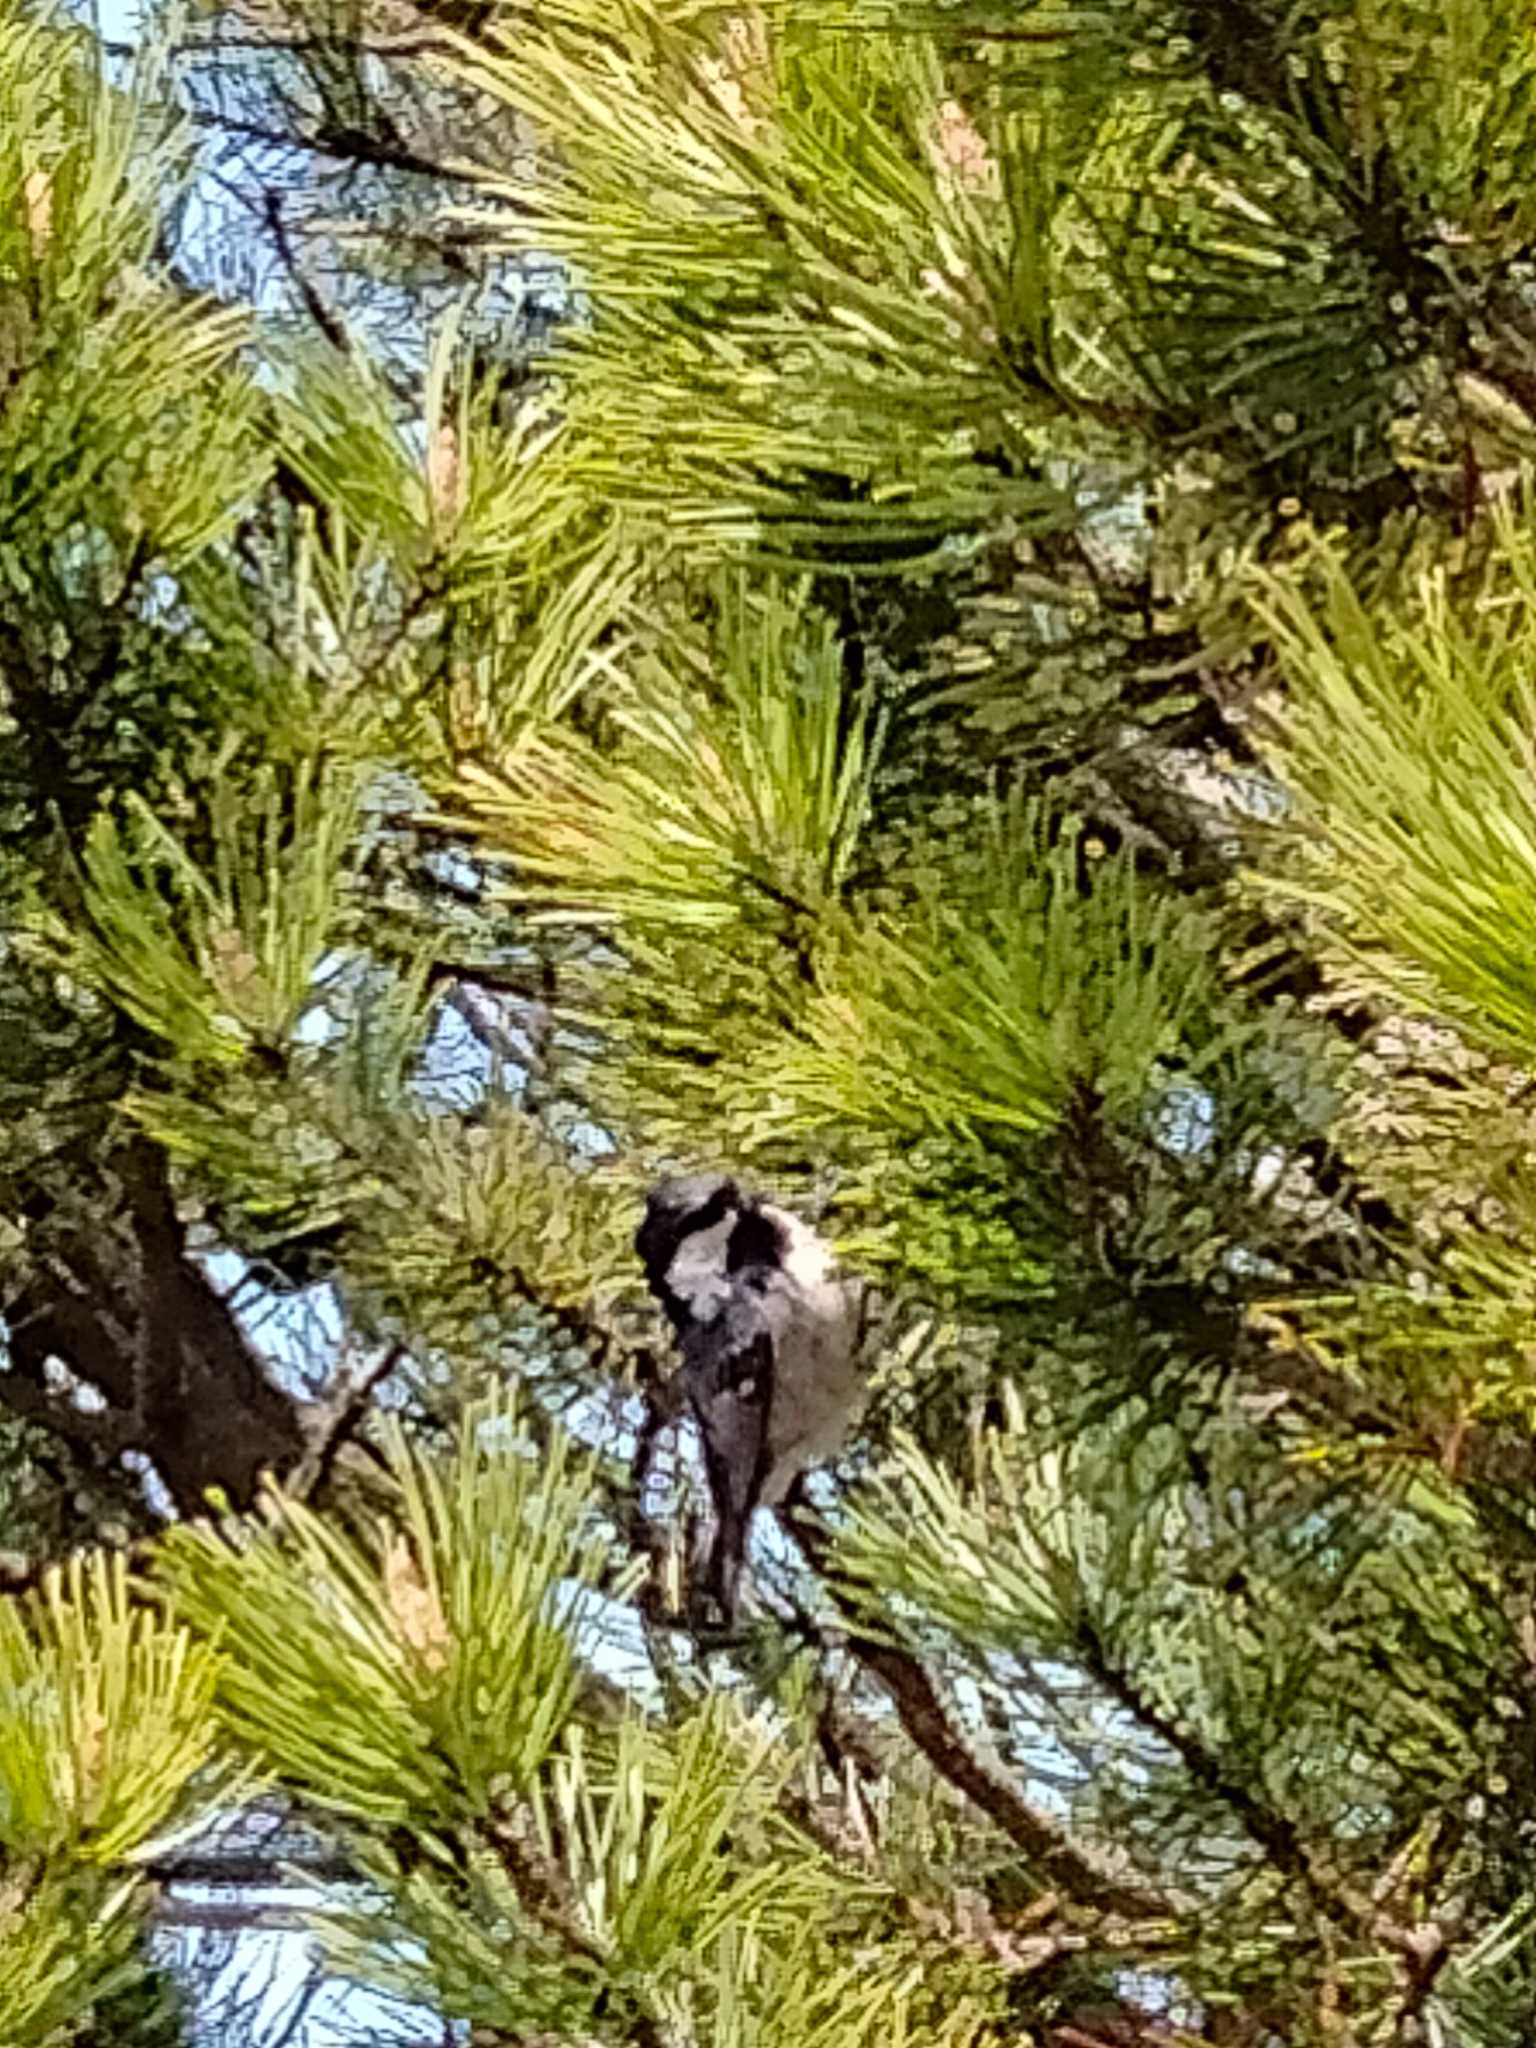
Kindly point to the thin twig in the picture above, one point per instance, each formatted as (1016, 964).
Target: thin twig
(337, 1420)
(315, 305)
(341, 145)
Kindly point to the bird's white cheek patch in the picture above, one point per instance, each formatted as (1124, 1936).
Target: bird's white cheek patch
(804, 1258)
(697, 1275)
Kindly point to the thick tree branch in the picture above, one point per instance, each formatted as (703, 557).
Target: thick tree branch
(1082, 1873)
(99, 1433)
(56, 1322)
(142, 1325)
(210, 1414)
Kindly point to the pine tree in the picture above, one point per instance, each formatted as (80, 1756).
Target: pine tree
(977, 678)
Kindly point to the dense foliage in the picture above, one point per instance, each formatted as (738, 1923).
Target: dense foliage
(929, 602)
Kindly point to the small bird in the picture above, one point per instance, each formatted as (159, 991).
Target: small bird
(771, 1337)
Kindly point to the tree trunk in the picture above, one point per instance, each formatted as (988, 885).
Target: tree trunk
(126, 1311)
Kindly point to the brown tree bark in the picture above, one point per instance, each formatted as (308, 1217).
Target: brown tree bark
(130, 1315)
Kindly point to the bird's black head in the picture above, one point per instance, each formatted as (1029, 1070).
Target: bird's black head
(756, 1241)
(675, 1210)
(679, 1211)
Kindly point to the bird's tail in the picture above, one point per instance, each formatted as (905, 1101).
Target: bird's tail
(727, 1563)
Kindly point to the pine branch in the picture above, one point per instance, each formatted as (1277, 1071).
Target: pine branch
(1422, 1947)
(1082, 1873)
(544, 1893)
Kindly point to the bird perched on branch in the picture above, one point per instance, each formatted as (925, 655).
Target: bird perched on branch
(771, 1337)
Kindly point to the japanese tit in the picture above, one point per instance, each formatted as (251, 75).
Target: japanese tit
(771, 1337)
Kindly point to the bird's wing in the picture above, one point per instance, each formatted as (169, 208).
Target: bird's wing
(729, 1367)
